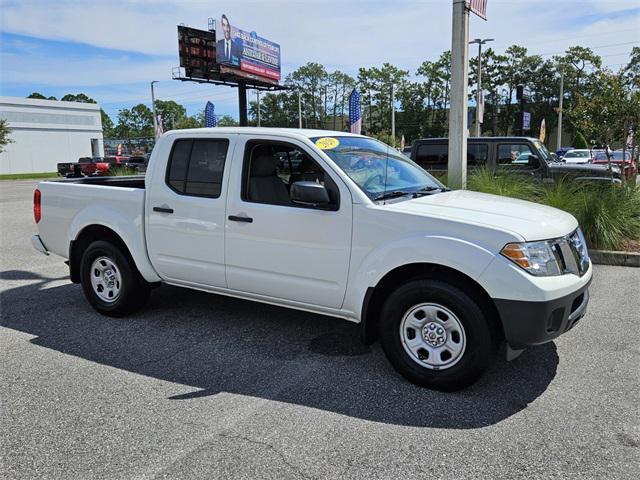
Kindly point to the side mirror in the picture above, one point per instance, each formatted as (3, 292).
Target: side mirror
(533, 161)
(309, 193)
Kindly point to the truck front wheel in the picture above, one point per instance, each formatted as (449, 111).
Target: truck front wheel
(435, 335)
(110, 280)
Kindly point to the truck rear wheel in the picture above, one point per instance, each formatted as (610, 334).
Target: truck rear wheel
(110, 281)
(435, 335)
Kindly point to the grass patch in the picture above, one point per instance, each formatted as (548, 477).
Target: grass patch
(121, 171)
(609, 215)
(28, 176)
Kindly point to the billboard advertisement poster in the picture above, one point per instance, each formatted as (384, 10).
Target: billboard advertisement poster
(247, 51)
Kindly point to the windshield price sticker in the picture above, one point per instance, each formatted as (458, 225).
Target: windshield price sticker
(327, 143)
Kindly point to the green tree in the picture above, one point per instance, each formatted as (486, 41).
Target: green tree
(171, 113)
(376, 83)
(188, 122)
(37, 96)
(107, 124)
(605, 109)
(631, 71)
(579, 141)
(311, 80)
(227, 121)
(79, 97)
(4, 134)
(135, 122)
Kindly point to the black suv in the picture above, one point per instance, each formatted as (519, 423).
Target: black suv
(523, 155)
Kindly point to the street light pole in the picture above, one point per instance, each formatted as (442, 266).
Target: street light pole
(153, 106)
(559, 142)
(258, 105)
(479, 99)
(299, 110)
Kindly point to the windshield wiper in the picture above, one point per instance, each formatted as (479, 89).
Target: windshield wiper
(391, 194)
(428, 190)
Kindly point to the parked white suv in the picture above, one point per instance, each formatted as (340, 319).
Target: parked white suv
(330, 223)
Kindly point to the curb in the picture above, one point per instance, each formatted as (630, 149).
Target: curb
(622, 259)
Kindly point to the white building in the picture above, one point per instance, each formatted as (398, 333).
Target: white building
(48, 132)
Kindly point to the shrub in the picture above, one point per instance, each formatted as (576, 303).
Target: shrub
(579, 141)
(503, 183)
(608, 215)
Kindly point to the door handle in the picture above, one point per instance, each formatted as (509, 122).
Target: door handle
(236, 218)
(163, 209)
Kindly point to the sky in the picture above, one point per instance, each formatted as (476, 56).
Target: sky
(111, 49)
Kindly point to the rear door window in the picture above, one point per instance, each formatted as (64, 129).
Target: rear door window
(196, 167)
(518, 156)
(477, 154)
(432, 156)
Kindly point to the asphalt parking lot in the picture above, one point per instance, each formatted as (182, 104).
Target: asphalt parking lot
(203, 386)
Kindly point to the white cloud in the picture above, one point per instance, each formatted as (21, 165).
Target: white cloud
(339, 34)
(345, 34)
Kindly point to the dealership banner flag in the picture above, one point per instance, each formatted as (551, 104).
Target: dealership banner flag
(159, 127)
(355, 113)
(543, 131)
(210, 115)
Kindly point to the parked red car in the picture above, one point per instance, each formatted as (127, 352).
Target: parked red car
(627, 166)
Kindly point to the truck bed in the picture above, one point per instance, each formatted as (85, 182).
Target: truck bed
(68, 205)
(132, 181)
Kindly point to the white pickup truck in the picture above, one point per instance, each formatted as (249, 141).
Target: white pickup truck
(330, 223)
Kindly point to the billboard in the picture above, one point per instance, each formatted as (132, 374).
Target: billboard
(246, 51)
(197, 51)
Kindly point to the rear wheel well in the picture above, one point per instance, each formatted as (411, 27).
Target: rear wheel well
(376, 296)
(86, 237)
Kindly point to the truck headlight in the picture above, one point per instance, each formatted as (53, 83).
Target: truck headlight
(537, 258)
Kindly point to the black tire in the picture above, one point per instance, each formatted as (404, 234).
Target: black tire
(477, 353)
(133, 289)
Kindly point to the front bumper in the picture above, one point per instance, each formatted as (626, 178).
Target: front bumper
(528, 323)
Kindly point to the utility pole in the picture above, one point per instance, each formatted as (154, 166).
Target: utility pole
(299, 110)
(258, 104)
(393, 115)
(479, 99)
(370, 106)
(559, 142)
(457, 162)
(153, 107)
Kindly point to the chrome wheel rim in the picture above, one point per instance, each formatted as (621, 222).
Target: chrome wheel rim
(106, 280)
(433, 336)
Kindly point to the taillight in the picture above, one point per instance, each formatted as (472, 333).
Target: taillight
(37, 205)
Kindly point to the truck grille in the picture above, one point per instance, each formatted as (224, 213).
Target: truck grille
(572, 250)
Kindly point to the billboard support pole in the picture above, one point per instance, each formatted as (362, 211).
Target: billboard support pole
(457, 163)
(242, 103)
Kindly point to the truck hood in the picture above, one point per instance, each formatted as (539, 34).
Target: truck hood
(531, 221)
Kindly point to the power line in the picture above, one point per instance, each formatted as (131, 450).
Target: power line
(592, 48)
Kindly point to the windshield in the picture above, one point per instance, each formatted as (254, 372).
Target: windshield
(378, 169)
(614, 156)
(544, 153)
(578, 154)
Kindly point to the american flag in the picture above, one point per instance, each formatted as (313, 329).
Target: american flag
(355, 114)
(159, 128)
(479, 7)
(209, 115)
